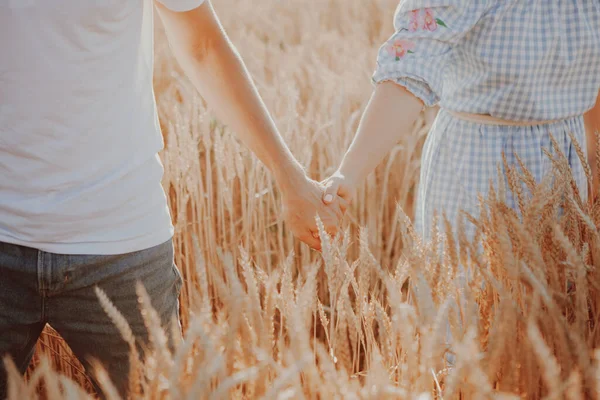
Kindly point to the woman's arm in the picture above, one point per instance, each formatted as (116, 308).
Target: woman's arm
(215, 68)
(390, 115)
(592, 125)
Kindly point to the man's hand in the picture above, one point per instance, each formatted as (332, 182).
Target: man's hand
(302, 202)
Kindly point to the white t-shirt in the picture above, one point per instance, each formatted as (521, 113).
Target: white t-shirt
(79, 132)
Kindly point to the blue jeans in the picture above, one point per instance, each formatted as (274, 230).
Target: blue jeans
(39, 288)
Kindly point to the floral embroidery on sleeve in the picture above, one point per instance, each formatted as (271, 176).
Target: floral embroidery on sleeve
(419, 19)
(431, 23)
(424, 19)
(413, 25)
(399, 48)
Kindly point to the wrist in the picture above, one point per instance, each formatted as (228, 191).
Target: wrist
(350, 175)
(289, 176)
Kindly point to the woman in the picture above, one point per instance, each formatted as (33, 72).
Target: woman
(506, 75)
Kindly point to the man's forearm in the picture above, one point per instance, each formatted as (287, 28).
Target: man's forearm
(391, 113)
(219, 74)
(224, 82)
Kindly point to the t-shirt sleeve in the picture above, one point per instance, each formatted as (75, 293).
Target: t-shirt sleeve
(427, 31)
(181, 5)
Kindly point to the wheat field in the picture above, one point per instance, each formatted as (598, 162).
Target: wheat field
(265, 317)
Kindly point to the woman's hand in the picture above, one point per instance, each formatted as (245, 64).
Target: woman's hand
(338, 188)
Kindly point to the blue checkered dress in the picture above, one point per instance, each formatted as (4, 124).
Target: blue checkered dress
(517, 60)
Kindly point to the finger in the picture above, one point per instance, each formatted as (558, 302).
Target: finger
(331, 229)
(344, 193)
(311, 241)
(332, 232)
(329, 225)
(330, 192)
(329, 219)
(329, 216)
(343, 204)
(339, 210)
(335, 212)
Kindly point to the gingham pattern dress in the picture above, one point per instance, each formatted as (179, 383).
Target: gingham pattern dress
(517, 60)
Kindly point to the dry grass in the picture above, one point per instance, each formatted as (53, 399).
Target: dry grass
(267, 318)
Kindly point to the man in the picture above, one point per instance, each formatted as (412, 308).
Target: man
(81, 202)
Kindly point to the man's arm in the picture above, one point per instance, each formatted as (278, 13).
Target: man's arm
(215, 68)
(592, 125)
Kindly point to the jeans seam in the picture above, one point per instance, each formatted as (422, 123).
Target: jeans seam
(178, 278)
(26, 341)
(41, 282)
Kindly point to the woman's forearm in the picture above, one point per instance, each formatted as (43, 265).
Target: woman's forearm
(390, 115)
(592, 126)
(592, 121)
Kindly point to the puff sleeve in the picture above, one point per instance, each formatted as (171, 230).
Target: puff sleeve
(418, 54)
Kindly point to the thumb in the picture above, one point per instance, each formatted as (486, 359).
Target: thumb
(331, 190)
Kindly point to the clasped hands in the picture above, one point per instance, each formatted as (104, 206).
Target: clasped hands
(304, 200)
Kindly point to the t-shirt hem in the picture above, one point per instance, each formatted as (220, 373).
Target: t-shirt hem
(181, 5)
(96, 248)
